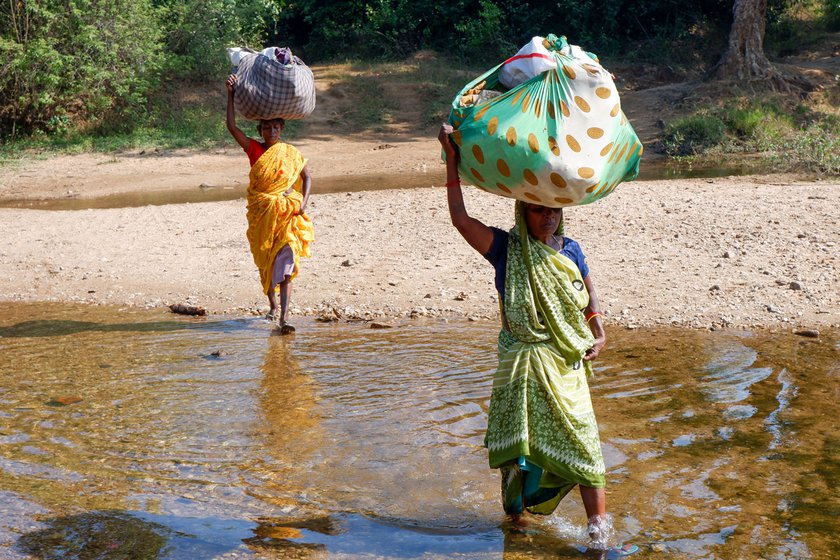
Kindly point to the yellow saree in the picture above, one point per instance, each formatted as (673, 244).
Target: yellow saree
(274, 218)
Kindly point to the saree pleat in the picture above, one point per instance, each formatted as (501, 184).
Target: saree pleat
(541, 429)
(274, 218)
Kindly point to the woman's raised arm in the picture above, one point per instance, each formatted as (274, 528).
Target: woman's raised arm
(230, 118)
(478, 235)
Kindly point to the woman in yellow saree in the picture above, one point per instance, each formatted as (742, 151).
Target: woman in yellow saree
(279, 232)
(542, 433)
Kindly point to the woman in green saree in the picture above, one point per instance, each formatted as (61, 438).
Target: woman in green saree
(541, 431)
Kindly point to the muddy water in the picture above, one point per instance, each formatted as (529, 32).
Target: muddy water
(137, 432)
(655, 170)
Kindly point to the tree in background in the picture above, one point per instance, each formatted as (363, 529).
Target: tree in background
(94, 64)
(744, 57)
(485, 30)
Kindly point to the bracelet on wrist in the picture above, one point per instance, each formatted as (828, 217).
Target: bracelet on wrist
(591, 315)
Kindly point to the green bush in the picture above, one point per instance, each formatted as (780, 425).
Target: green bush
(694, 135)
(743, 122)
(486, 35)
(91, 61)
(757, 125)
(816, 148)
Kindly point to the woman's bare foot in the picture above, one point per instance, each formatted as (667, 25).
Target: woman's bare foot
(518, 522)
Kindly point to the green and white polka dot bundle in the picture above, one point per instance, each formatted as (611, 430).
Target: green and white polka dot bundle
(557, 139)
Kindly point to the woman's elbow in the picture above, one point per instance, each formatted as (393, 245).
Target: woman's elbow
(460, 221)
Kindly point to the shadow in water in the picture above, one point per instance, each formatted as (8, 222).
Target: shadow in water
(353, 534)
(350, 534)
(119, 535)
(99, 535)
(46, 328)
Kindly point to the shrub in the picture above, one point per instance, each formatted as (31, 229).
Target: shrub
(92, 61)
(816, 148)
(197, 32)
(694, 135)
(758, 125)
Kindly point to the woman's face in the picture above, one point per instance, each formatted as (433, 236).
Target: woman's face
(271, 131)
(542, 221)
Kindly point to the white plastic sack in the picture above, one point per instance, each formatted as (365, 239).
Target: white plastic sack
(532, 60)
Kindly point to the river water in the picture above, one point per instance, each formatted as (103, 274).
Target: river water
(128, 433)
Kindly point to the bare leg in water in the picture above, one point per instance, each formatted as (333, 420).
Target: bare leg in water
(272, 304)
(285, 295)
(595, 504)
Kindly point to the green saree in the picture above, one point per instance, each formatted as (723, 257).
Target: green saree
(541, 429)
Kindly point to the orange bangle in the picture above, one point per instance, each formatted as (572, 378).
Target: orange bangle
(455, 183)
(591, 316)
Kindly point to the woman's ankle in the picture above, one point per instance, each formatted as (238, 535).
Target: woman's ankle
(600, 530)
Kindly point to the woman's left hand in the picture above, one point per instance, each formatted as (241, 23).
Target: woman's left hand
(593, 352)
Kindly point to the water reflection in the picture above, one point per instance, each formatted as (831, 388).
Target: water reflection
(288, 424)
(217, 438)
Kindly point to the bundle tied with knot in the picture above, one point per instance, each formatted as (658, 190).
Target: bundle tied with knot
(559, 138)
(272, 84)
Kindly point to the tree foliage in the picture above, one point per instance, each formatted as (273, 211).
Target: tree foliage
(486, 28)
(96, 63)
(197, 31)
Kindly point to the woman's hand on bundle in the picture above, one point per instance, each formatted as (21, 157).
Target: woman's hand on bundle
(593, 352)
(448, 147)
(231, 83)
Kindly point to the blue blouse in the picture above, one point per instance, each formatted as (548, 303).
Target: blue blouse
(497, 255)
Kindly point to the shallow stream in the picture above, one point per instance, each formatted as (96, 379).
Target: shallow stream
(189, 438)
(654, 170)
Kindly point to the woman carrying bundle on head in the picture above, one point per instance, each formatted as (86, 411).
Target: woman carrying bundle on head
(541, 431)
(278, 230)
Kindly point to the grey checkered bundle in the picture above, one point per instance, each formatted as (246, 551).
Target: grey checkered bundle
(267, 89)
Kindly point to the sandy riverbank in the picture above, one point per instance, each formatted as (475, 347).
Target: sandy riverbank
(733, 252)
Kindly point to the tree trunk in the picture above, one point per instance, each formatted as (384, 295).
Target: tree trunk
(744, 58)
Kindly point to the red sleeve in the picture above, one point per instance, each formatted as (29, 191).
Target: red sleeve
(254, 151)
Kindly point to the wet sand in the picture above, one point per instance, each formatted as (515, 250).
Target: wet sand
(743, 252)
